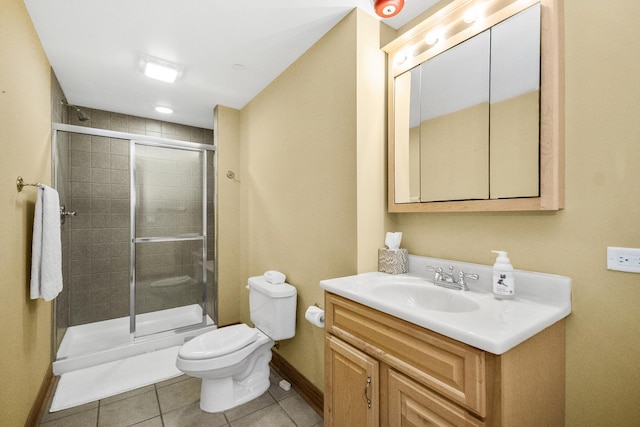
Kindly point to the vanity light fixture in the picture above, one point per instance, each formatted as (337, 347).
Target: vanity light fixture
(388, 8)
(160, 70)
(164, 110)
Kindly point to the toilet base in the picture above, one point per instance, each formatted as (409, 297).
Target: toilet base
(217, 395)
(221, 394)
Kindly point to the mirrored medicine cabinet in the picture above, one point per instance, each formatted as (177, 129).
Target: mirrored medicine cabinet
(476, 109)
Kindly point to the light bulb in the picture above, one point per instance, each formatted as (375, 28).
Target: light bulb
(471, 15)
(432, 38)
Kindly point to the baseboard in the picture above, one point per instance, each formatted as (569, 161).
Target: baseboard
(305, 388)
(35, 415)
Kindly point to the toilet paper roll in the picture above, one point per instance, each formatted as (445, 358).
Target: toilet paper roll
(315, 316)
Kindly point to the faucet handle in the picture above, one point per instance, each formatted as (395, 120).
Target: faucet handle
(462, 275)
(437, 272)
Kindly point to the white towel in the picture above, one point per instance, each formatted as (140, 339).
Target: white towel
(46, 248)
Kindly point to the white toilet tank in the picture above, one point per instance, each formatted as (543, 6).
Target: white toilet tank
(273, 308)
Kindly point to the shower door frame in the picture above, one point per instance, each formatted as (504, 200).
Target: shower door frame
(176, 145)
(161, 142)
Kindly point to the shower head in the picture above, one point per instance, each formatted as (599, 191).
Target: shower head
(82, 116)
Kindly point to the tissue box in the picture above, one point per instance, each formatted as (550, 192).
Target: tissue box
(393, 262)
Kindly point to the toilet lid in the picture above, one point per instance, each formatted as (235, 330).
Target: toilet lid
(219, 342)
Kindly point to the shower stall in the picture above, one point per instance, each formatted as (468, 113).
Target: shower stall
(139, 255)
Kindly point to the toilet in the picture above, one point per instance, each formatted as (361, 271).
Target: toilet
(233, 361)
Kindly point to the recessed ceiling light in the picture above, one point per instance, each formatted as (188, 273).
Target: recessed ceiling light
(164, 110)
(160, 70)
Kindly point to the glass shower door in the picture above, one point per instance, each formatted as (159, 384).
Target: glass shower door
(168, 238)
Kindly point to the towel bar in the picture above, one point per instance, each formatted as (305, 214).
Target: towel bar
(21, 184)
(64, 213)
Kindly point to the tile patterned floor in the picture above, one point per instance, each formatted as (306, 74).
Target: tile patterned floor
(175, 403)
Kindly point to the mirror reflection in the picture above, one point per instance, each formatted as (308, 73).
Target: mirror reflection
(467, 120)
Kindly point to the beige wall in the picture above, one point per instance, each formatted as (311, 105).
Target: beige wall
(602, 206)
(370, 141)
(226, 128)
(298, 182)
(25, 123)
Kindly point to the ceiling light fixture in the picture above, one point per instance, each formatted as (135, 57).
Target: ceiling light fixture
(388, 8)
(160, 70)
(164, 110)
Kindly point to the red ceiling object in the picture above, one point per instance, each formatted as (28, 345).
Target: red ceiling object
(388, 8)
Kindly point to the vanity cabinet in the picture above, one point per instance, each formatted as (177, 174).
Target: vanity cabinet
(384, 371)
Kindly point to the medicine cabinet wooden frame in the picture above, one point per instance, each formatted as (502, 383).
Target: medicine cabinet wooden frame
(551, 160)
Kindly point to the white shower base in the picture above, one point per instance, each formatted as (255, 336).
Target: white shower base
(101, 342)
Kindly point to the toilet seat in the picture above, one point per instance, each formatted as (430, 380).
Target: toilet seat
(218, 343)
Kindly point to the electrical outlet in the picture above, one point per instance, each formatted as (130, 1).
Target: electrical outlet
(623, 259)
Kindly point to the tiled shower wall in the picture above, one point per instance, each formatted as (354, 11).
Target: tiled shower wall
(99, 257)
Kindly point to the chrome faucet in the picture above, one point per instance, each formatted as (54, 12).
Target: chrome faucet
(449, 280)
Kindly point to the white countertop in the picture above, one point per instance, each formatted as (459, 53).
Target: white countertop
(496, 326)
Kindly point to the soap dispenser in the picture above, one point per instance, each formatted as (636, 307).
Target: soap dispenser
(503, 283)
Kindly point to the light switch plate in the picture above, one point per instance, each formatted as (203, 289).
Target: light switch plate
(623, 259)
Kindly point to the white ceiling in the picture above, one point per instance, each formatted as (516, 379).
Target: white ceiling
(95, 48)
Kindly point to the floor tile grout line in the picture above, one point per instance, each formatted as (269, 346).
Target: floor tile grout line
(226, 419)
(288, 415)
(155, 389)
(98, 413)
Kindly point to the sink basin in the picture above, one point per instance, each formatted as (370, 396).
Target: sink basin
(427, 297)
(474, 317)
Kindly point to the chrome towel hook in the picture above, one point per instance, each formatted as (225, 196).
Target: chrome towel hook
(64, 214)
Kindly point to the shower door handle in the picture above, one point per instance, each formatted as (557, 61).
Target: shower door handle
(64, 213)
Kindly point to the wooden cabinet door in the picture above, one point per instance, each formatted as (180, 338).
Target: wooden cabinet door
(351, 386)
(450, 368)
(411, 404)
